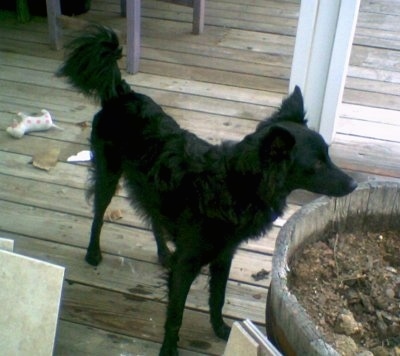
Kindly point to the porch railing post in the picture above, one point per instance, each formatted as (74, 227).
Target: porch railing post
(324, 38)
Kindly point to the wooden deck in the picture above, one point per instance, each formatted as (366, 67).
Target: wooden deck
(219, 85)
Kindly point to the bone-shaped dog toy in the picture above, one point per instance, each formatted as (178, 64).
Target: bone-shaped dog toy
(31, 123)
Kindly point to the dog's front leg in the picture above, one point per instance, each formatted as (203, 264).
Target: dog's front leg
(219, 271)
(183, 272)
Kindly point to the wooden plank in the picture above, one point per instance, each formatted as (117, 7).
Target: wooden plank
(119, 313)
(205, 46)
(265, 77)
(82, 110)
(388, 88)
(365, 113)
(72, 201)
(273, 3)
(196, 115)
(384, 101)
(273, 83)
(381, 6)
(87, 340)
(376, 38)
(190, 40)
(60, 227)
(276, 9)
(211, 127)
(60, 198)
(225, 17)
(368, 156)
(225, 92)
(31, 76)
(26, 61)
(42, 141)
(242, 65)
(232, 9)
(380, 75)
(141, 82)
(140, 278)
(382, 87)
(67, 174)
(379, 20)
(226, 51)
(369, 129)
(375, 58)
(67, 117)
(259, 42)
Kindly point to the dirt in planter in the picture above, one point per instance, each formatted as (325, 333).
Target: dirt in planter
(350, 286)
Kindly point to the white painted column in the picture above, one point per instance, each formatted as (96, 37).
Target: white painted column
(324, 38)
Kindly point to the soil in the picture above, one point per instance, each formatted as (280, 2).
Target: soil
(350, 286)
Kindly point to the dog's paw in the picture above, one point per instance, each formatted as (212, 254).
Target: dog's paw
(222, 331)
(168, 351)
(93, 258)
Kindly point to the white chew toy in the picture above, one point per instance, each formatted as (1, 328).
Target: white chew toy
(31, 123)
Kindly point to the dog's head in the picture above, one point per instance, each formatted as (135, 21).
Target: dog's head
(288, 139)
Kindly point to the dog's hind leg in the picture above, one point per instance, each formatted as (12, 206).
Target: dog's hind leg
(184, 270)
(107, 172)
(219, 271)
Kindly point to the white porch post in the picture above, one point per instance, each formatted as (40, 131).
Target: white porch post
(324, 38)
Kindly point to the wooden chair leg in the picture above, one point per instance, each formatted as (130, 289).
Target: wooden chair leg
(132, 35)
(53, 12)
(198, 16)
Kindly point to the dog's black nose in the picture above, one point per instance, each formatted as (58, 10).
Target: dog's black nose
(345, 187)
(353, 185)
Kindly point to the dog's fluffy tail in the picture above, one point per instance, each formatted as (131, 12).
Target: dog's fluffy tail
(91, 65)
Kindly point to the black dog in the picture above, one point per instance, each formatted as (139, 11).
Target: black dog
(206, 199)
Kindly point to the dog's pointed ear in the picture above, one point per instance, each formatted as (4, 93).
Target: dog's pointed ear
(276, 145)
(294, 102)
(292, 108)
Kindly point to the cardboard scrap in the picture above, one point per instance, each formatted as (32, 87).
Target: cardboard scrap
(47, 159)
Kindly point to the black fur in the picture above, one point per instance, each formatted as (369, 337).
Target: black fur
(206, 198)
